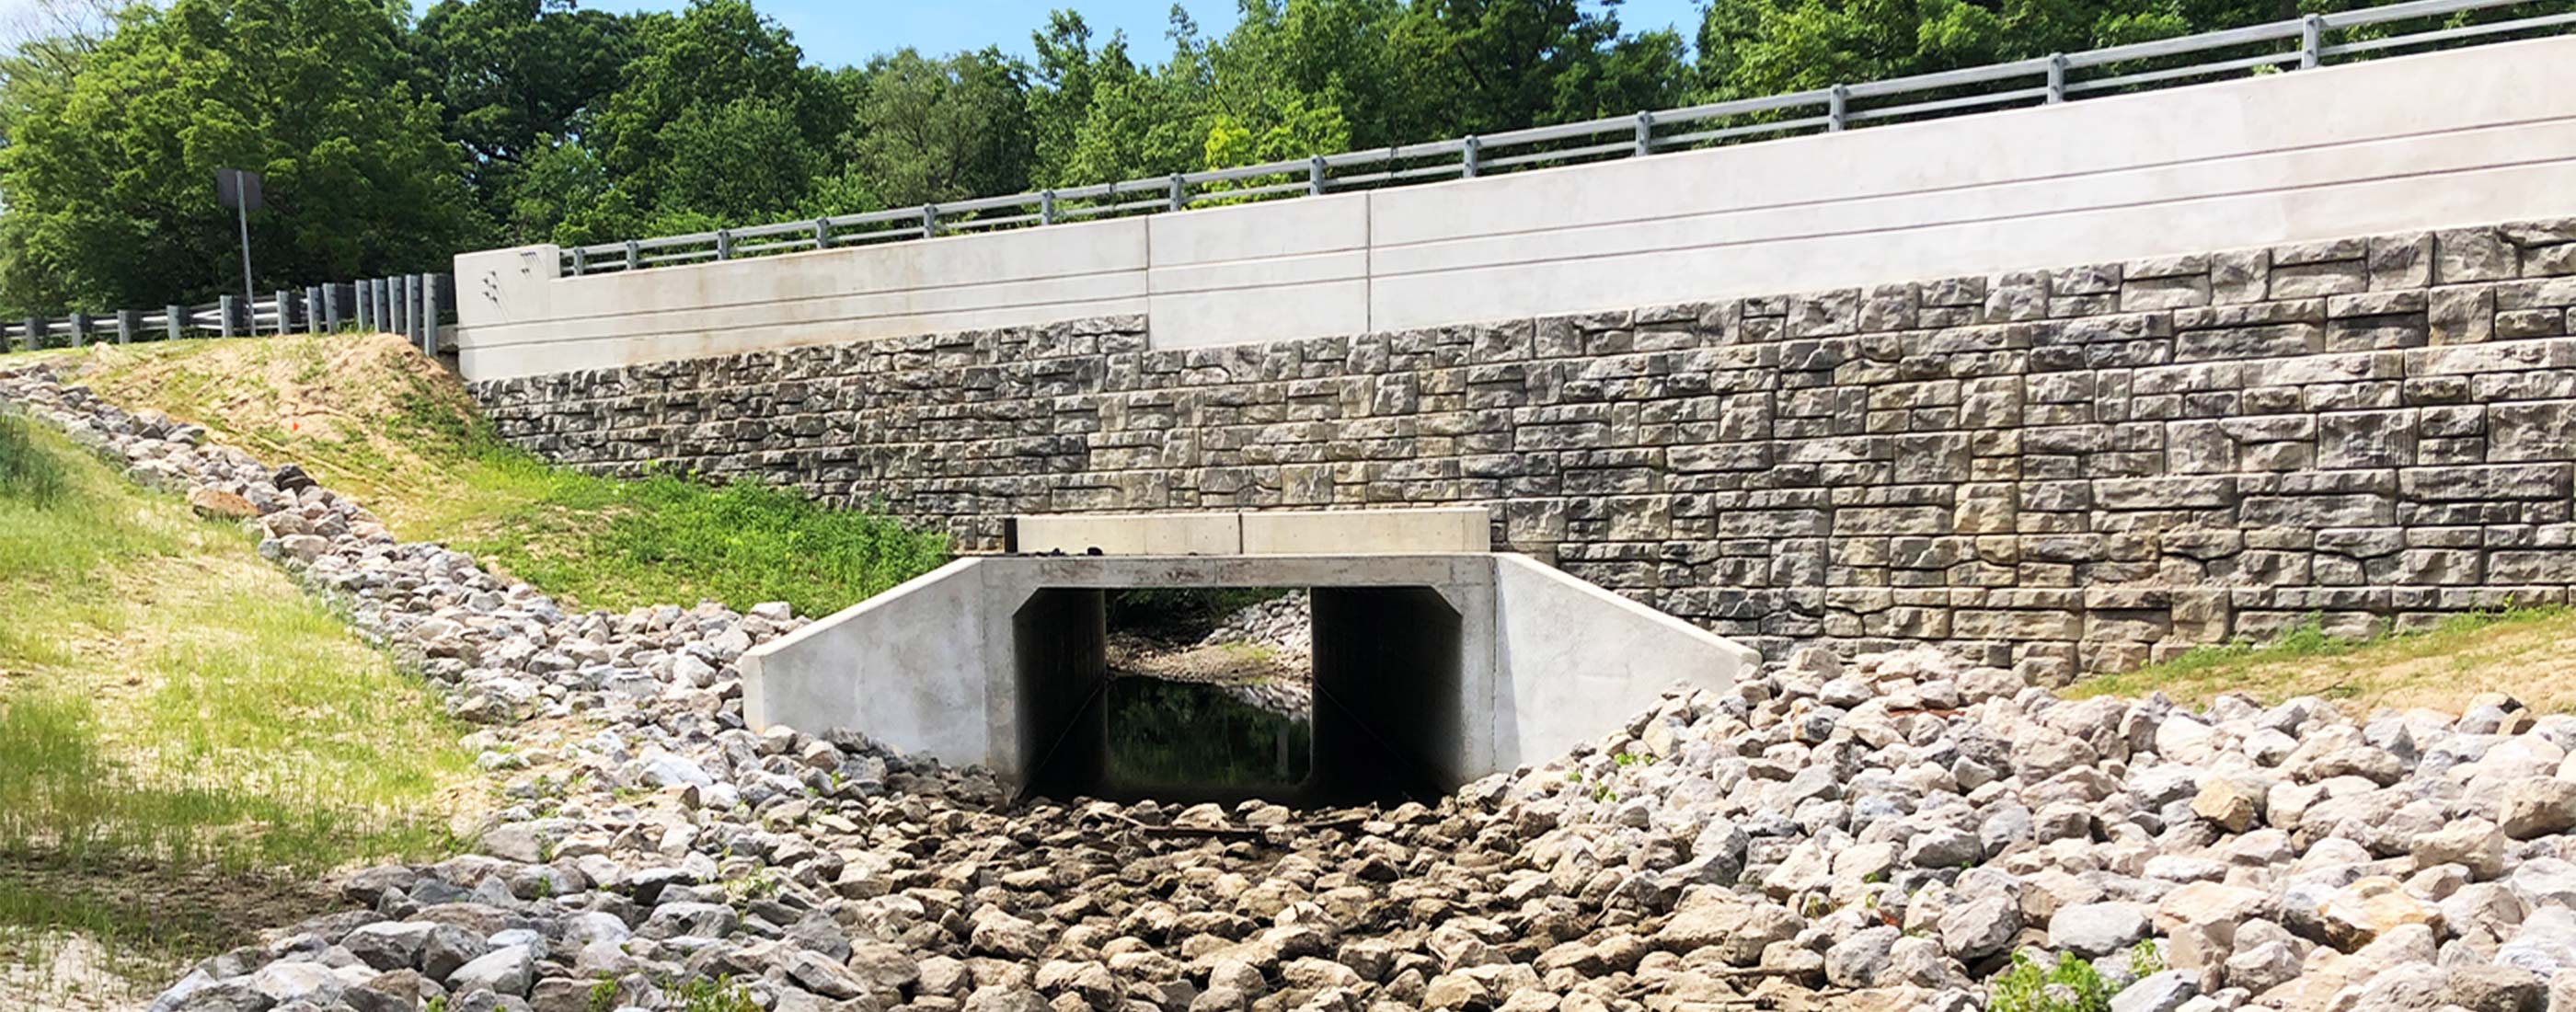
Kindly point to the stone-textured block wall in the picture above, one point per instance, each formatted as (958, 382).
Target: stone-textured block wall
(2069, 469)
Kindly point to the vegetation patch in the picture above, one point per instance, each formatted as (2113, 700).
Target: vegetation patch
(2521, 649)
(371, 418)
(175, 710)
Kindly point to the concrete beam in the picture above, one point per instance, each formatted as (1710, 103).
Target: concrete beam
(1262, 532)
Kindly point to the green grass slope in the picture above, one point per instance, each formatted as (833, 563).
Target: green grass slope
(181, 729)
(371, 418)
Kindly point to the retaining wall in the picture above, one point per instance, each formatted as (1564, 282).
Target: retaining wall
(2077, 468)
(2480, 134)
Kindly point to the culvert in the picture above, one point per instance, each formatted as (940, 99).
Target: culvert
(1368, 729)
(1431, 668)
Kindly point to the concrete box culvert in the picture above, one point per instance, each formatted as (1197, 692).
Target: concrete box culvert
(1387, 665)
(1430, 670)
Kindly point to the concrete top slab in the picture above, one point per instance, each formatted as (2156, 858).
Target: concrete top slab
(1260, 532)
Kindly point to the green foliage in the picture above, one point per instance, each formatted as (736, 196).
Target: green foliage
(27, 473)
(2072, 985)
(512, 78)
(718, 995)
(2215, 667)
(602, 996)
(2145, 960)
(432, 466)
(109, 174)
(179, 723)
(932, 129)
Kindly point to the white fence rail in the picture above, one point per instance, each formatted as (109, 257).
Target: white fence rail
(2306, 42)
(413, 305)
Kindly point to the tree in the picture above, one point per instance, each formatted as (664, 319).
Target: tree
(46, 42)
(110, 180)
(1761, 47)
(511, 76)
(1066, 80)
(942, 129)
(718, 66)
(1495, 65)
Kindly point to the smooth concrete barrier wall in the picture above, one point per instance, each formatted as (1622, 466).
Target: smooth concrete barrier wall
(2434, 140)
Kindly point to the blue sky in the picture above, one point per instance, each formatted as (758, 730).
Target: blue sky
(849, 31)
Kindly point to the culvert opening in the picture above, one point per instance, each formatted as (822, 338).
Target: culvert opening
(1301, 696)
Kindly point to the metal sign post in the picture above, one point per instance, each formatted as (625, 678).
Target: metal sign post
(239, 189)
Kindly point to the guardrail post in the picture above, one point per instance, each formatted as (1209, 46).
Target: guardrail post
(1315, 176)
(384, 305)
(2312, 40)
(2056, 78)
(127, 322)
(580, 261)
(1834, 104)
(724, 244)
(1470, 152)
(35, 333)
(363, 292)
(634, 254)
(822, 233)
(1645, 133)
(1180, 192)
(331, 307)
(285, 315)
(930, 220)
(312, 309)
(80, 329)
(402, 309)
(429, 315)
(224, 308)
(174, 322)
(1046, 207)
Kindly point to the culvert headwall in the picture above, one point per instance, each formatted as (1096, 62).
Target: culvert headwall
(1430, 670)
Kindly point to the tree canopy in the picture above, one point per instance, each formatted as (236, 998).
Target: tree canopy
(390, 143)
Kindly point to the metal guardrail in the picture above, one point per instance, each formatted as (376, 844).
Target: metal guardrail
(2041, 80)
(413, 305)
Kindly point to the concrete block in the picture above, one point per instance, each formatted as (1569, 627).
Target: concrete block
(1366, 532)
(1133, 534)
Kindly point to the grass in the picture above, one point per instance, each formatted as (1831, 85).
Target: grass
(369, 417)
(179, 724)
(2520, 650)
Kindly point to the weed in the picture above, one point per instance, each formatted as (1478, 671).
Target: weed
(2145, 960)
(2072, 985)
(718, 995)
(603, 995)
(27, 473)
